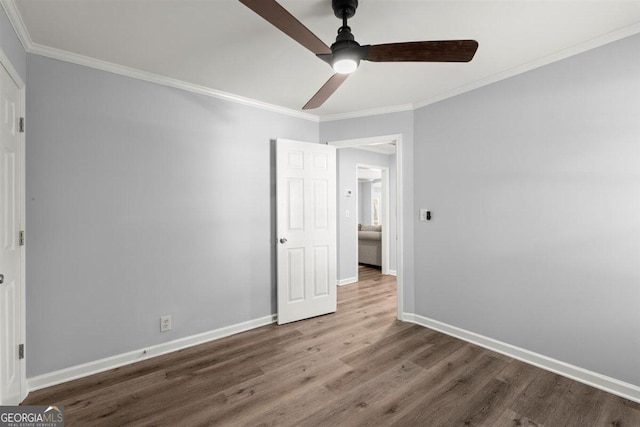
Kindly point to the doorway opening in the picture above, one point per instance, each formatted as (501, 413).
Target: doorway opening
(375, 225)
(383, 153)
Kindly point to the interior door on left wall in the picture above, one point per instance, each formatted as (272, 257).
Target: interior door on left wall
(306, 230)
(11, 292)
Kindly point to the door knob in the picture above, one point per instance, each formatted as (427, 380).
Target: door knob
(1, 279)
(283, 240)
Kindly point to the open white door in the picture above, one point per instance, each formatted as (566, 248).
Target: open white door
(306, 227)
(11, 292)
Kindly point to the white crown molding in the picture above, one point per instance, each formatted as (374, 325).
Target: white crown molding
(585, 376)
(557, 56)
(25, 38)
(162, 80)
(97, 366)
(29, 46)
(367, 113)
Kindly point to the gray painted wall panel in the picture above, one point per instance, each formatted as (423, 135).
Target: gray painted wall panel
(142, 201)
(364, 203)
(534, 184)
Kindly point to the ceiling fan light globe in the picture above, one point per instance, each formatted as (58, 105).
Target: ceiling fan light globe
(345, 66)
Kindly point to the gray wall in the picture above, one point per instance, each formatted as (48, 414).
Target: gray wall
(11, 46)
(534, 184)
(142, 200)
(348, 158)
(387, 124)
(364, 202)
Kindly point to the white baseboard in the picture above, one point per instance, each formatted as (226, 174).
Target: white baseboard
(97, 366)
(392, 273)
(347, 281)
(603, 382)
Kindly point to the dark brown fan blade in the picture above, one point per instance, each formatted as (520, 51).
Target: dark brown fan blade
(279, 17)
(325, 91)
(433, 51)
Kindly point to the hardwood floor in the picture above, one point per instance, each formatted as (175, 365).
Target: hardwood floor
(356, 367)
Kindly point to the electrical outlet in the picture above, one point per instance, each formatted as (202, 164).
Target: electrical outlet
(165, 323)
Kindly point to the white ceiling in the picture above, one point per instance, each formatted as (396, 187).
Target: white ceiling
(224, 46)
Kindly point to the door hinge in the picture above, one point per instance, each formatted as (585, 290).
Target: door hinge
(21, 351)
(21, 124)
(21, 238)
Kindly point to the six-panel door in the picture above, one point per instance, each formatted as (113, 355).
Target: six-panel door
(10, 254)
(306, 201)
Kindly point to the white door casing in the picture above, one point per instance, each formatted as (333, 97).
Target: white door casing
(306, 230)
(12, 377)
(400, 208)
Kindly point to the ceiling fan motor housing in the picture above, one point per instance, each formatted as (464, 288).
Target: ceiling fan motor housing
(345, 46)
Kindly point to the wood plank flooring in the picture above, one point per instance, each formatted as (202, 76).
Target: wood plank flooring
(356, 367)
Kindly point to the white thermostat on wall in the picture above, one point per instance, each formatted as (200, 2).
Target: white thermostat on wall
(348, 193)
(425, 215)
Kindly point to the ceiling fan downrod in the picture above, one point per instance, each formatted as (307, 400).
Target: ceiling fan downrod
(344, 9)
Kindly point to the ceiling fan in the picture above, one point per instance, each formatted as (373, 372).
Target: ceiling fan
(345, 54)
